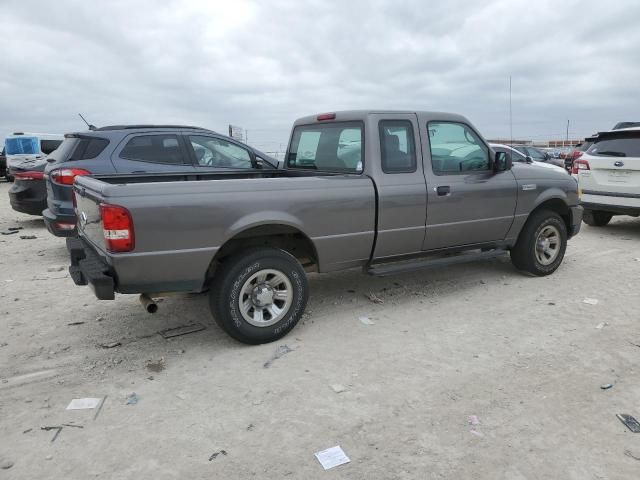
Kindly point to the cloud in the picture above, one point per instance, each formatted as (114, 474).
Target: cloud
(263, 64)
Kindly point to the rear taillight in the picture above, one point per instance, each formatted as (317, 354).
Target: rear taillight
(579, 165)
(577, 154)
(66, 176)
(28, 175)
(117, 227)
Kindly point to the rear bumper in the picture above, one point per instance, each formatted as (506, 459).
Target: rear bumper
(56, 224)
(615, 209)
(87, 268)
(575, 214)
(28, 197)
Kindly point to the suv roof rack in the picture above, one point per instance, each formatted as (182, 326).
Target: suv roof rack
(131, 127)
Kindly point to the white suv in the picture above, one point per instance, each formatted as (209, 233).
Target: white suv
(608, 174)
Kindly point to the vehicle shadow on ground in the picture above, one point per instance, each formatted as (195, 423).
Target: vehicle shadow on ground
(327, 292)
(454, 280)
(621, 226)
(35, 222)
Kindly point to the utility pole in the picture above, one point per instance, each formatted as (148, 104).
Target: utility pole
(567, 132)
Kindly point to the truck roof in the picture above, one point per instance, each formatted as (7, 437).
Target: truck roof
(354, 115)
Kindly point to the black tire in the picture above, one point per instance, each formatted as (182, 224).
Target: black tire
(524, 254)
(227, 286)
(596, 218)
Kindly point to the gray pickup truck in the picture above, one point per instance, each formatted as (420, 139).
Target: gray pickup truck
(385, 191)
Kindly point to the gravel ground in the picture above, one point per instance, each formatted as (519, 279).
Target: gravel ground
(525, 356)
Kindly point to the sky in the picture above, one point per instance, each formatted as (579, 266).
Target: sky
(262, 64)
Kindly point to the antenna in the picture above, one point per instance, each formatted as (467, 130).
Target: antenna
(91, 127)
(510, 114)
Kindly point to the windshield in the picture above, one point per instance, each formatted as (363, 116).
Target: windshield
(617, 146)
(536, 154)
(22, 146)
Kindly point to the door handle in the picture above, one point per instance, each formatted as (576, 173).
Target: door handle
(443, 191)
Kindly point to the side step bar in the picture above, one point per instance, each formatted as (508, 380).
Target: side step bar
(386, 269)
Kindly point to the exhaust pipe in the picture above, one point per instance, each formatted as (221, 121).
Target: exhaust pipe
(147, 302)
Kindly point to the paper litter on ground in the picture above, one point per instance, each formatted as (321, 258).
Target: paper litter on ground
(332, 457)
(84, 403)
(366, 321)
(590, 301)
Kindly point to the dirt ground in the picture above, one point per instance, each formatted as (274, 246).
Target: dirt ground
(525, 356)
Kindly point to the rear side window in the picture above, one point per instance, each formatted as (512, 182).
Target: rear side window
(334, 147)
(627, 145)
(154, 148)
(48, 146)
(397, 146)
(88, 148)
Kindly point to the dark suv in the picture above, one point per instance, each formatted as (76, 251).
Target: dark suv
(3, 164)
(133, 149)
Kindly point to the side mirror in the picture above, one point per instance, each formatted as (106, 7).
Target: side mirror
(502, 162)
(528, 159)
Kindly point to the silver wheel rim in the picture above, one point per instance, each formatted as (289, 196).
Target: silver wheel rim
(548, 245)
(265, 298)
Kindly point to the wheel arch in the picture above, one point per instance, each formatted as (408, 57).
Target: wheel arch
(556, 204)
(277, 234)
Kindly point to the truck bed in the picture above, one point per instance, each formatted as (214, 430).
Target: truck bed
(181, 221)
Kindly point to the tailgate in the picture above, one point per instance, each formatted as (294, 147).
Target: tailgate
(88, 194)
(614, 164)
(615, 175)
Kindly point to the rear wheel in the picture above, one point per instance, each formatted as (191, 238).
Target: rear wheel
(541, 245)
(258, 296)
(596, 218)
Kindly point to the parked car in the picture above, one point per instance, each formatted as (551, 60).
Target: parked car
(516, 155)
(539, 155)
(620, 125)
(22, 146)
(138, 149)
(28, 194)
(578, 151)
(3, 164)
(427, 191)
(608, 174)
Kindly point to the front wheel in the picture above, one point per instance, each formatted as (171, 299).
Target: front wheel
(596, 218)
(541, 245)
(258, 296)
